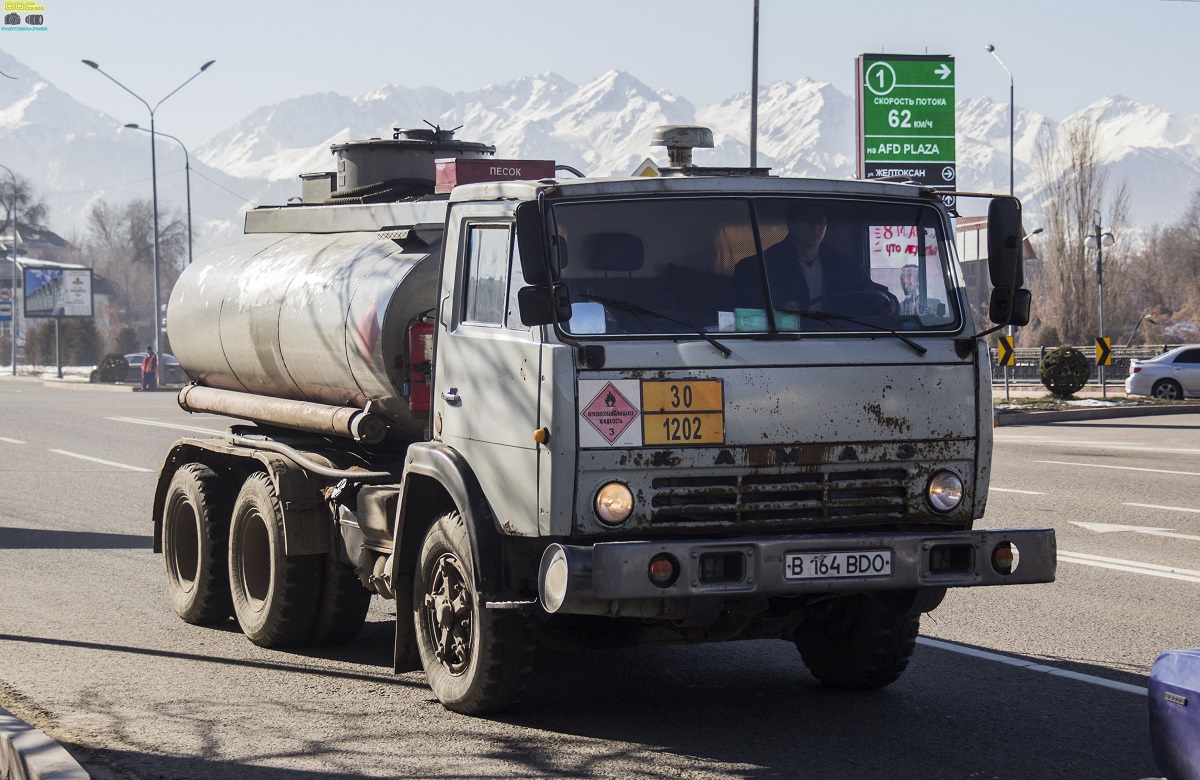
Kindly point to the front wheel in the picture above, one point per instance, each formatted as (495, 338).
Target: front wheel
(477, 660)
(854, 643)
(1167, 390)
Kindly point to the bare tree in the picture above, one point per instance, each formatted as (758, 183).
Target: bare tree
(120, 241)
(1074, 189)
(31, 209)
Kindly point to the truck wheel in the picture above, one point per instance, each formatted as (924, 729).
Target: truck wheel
(275, 597)
(1167, 390)
(194, 531)
(343, 605)
(853, 643)
(476, 660)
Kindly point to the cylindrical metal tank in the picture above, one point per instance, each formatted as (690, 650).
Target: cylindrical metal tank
(305, 316)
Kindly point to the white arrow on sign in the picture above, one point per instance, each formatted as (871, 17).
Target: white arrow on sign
(1112, 528)
(943, 71)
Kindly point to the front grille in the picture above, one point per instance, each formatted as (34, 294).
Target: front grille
(821, 498)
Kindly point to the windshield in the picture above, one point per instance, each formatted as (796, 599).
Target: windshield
(753, 265)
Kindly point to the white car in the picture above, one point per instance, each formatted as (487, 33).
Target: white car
(1170, 376)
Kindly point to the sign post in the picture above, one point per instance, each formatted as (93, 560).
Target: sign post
(906, 118)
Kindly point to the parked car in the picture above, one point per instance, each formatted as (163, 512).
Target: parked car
(169, 370)
(1170, 376)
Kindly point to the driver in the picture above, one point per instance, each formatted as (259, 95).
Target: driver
(801, 273)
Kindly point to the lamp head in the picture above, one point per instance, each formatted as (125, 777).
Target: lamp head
(90, 64)
(133, 126)
(989, 47)
(1107, 239)
(204, 67)
(1090, 242)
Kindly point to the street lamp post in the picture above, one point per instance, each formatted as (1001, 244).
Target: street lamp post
(187, 177)
(12, 215)
(153, 186)
(754, 93)
(1012, 108)
(1098, 240)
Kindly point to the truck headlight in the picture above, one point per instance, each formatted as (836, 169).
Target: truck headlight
(945, 491)
(614, 503)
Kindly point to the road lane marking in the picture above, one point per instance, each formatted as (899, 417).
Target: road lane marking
(12, 441)
(1030, 666)
(1112, 528)
(158, 424)
(101, 461)
(1011, 490)
(1171, 508)
(1106, 444)
(1120, 468)
(1133, 567)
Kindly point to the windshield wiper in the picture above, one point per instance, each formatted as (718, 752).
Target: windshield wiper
(822, 315)
(633, 308)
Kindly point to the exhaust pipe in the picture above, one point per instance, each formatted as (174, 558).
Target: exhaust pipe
(342, 421)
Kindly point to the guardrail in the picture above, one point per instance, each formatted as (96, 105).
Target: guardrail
(1029, 358)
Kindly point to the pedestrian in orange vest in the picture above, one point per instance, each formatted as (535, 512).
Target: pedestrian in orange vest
(150, 370)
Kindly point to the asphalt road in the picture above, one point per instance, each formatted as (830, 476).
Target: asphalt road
(91, 652)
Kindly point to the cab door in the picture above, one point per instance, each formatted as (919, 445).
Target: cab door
(487, 369)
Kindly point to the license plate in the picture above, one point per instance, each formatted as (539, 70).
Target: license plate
(834, 565)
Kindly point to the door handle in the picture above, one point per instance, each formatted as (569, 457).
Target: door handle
(451, 397)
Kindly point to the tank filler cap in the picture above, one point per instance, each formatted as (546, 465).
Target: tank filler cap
(680, 140)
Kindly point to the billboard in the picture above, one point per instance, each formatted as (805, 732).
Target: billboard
(906, 118)
(58, 292)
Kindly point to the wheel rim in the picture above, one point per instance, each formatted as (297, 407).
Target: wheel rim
(449, 614)
(1167, 392)
(185, 545)
(255, 566)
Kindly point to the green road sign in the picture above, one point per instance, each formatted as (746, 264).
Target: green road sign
(906, 118)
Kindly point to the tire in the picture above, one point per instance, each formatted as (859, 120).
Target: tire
(1167, 390)
(275, 597)
(342, 606)
(195, 530)
(855, 644)
(476, 660)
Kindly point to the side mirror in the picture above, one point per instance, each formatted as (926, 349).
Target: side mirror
(1006, 262)
(532, 243)
(544, 305)
(1010, 307)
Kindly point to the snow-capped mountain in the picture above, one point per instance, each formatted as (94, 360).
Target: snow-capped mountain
(74, 154)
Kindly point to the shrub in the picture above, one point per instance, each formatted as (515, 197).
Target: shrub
(1064, 371)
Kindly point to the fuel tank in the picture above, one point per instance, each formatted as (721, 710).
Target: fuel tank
(317, 317)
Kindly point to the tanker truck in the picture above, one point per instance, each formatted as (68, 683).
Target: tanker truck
(539, 409)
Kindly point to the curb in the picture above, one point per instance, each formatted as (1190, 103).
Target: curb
(68, 384)
(1035, 418)
(28, 754)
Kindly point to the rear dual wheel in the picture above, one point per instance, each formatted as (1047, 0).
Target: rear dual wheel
(282, 600)
(194, 532)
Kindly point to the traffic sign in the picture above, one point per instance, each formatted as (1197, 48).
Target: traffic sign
(906, 118)
(1104, 351)
(1005, 354)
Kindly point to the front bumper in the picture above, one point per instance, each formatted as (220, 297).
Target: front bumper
(617, 571)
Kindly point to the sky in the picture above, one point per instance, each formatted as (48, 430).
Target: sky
(1063, 55)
